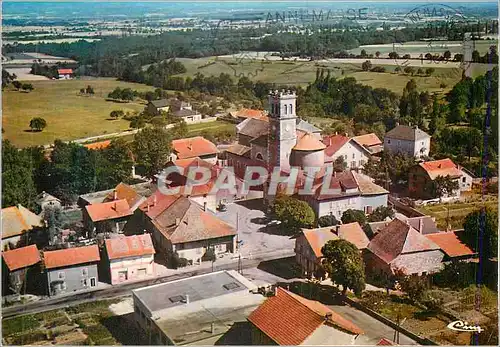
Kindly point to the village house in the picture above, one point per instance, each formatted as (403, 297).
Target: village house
(209, 309)
(129, 258)
(291, 320)
(425, 225)
(45, 200)
(19, 266)
(371, 142)
(106, 217)
(17, 223)
(156, 107)
(71, 269)
(246, 113)
(193, 147)
(354, 154)
(398, 246)
(125, 192)
(348, 190)
(422, 176)
(203, 194)
(408, 139)
(452, 246)
(309, 243)
(181, 226)
(65, 74)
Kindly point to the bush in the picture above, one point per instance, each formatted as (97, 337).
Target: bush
(456, 275)
(327, 221)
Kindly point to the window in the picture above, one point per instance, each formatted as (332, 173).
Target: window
(354, 156)
(63, 286)
(92, 282)
(422, 143)
(84, 283)
(345, 157)
(353, 164)
(61, 275)
(388, 141)
(141, 272)
(259, 156)
(463, 179)
(291, 109)
(85, 271)
(285, 109)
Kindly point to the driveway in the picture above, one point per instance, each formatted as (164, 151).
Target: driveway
(249, 219)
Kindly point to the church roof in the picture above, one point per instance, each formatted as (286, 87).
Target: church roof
(307, 127)
(309, 142)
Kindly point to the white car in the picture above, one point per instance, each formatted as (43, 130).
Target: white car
(274, 223)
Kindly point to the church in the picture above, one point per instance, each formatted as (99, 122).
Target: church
(283, 140)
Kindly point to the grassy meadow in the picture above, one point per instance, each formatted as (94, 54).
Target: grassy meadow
(68, 115)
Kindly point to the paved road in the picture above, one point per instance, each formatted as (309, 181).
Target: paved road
(126, 289)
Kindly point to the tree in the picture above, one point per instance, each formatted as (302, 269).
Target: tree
(344, 265)
(116, 114)
(179, 130)
(17, 84)
(413, 285)
(53, 217)
(351, 216)
(293, 213)
(27, 86)
(429, 71)
(377, 54)
(444, 186)
(38, 124)
(366, 66)
(393, 55)
(339, 164)
(482, 224)
(114, 164)
(447, 55)
(420, 71)
(90, 90)
(151, 148)
(409, 70)
(397, 69)
(381, 213)
(138, 122)
(363, 53)
(327, 221)
(18, 186)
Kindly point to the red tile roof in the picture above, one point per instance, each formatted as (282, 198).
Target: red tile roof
(334, 143)
(108, 210)
(318, 237)
(353, 233)
(129, 246)
(71, 256)
(451, 244)
(443, 167)
(124, 192)
(21, 257)
(157, 203)
(289, 319)
(398, 238)
(309, 142)
(98, 145)
(250, 113)
(367, 140)
(193, 147)
(64, 71)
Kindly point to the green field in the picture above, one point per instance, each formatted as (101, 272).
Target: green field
(68, 115)
(303, 73)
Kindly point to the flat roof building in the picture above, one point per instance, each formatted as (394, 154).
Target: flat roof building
(204, 310)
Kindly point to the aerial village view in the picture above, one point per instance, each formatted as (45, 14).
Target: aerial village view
(249, 173)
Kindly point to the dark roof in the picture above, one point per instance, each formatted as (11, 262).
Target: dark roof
(405, 132)
(397, 238)
(160, 103)
(254, 127)
(239, 149)
(185, 113)
(260, 141)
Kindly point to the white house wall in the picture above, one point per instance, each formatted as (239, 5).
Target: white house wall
(352, 152)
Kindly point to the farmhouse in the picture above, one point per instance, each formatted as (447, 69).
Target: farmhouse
(354, 154)
(291, 320)
(71, 269)
(65, 74)
(190, 148)
(106, 217)
(408, 139)
(17, 222)
(129, 258)
(20, 265)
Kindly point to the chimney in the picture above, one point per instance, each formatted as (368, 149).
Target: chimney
(397, 123)
(114, 206)
(177, 221)
(328, 316)
(275, 291)
(336, 133)
(115, 195)
(334, 173)
(420, 225)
